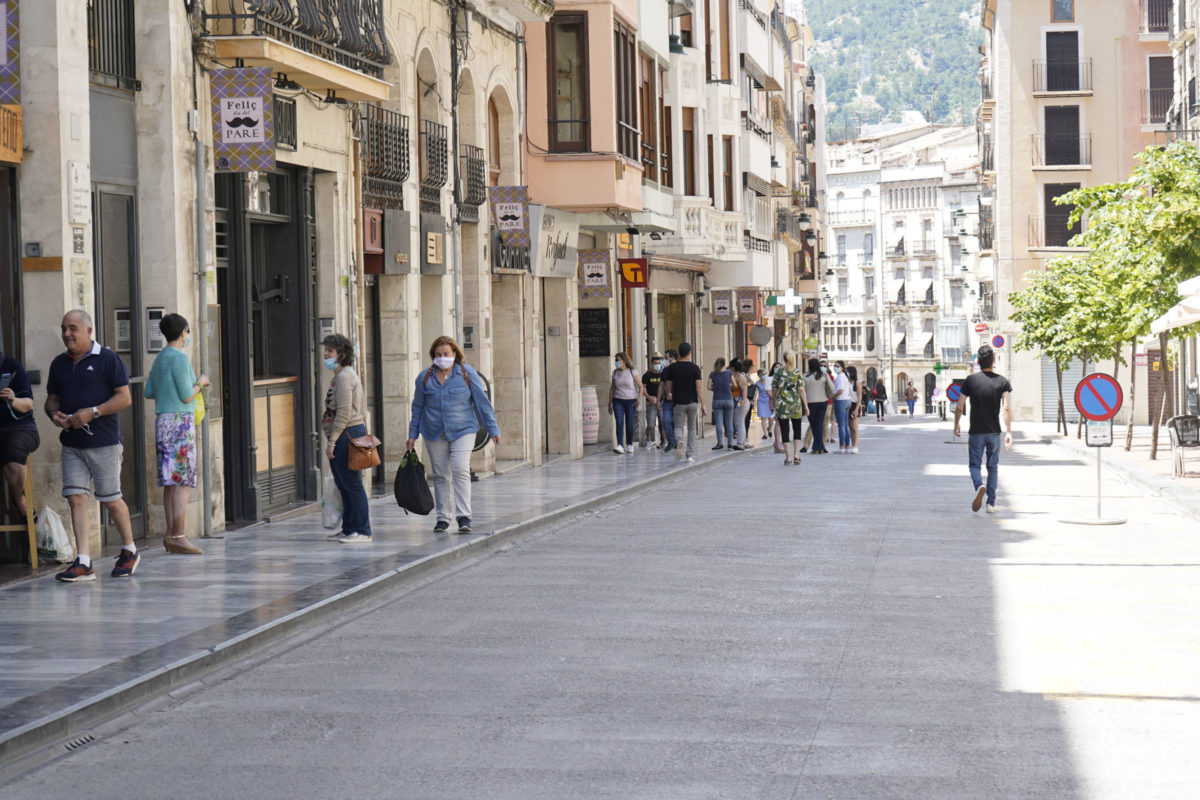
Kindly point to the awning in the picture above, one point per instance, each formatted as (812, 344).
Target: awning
(756, 184)
(894, 291)
(644, 221)
(757, 74)
(927, 343)
(1186, 312)
(924, 286)
(679, 264)
(1190, 286)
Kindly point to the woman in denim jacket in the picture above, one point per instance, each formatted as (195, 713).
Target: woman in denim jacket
(448, 395)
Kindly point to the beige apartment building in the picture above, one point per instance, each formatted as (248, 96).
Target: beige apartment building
(1071, 90)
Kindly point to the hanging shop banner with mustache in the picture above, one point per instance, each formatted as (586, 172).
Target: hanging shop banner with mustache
(243, 119)
(747, 305)
(723, 312)
(594, 274)
(510, 213)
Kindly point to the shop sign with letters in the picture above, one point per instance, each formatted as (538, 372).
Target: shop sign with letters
(243, 119)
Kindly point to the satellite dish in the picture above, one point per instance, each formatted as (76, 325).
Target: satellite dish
(760, 335)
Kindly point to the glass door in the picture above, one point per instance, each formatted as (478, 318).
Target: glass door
(119, 326)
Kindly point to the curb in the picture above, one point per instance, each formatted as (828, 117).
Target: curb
(1183, 497)
(76, 720)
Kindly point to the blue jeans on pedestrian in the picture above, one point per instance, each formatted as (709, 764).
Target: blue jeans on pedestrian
(979, 445)
(356, 515)
(723, 420)
(623, 411)
(816, 421)
(668, 420)
(841, 412)
(912, 407)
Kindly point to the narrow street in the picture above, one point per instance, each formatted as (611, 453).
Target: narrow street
(845, 629)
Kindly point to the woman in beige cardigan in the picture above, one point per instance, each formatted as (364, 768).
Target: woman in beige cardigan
(342, 421)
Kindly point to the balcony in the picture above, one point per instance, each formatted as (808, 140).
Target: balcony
(1051, 230)
(326, 46)
(896, 251)
(434, 149)
(528, 10)
(1062, 76)
(758, 127)
(1062, 151)
(926, 248)
(385, 151)
(987, 233)
(473, 169)
(987, 156)
(1155, 104)
(787, 228)
(857, 216)
(1155, 16)
(1177, 135)
(704, 232)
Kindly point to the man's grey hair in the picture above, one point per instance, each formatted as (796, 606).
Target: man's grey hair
(83, 315)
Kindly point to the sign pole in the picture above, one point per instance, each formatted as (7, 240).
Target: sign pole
(1098, 398)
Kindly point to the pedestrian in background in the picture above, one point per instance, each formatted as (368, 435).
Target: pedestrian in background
(18, 430)
(819, 391)
(448, 396)
(910, 397)
(720, 383)
(651, 383)
(751, 392)
(681, 384)
(173, 386)
(842, 400)
(345, 419)
(624, 391)
(87, 387)
(668, 408)
(856, 406)
(789, 403)
(989, 393)
(880, 397)
(739, 388)
(766, 417)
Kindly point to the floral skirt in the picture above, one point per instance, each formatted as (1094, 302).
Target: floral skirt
(175, 440)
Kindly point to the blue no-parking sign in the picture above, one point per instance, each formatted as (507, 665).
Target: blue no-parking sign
(1098, 397)
(953, 392)
(997, 341)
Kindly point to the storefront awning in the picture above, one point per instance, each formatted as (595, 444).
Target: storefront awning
(1186, 312)
(679, 264)
(894, 291)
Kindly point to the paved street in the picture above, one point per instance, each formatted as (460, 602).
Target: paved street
(842, 629)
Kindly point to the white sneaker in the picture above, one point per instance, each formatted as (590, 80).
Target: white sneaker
(619, 450)
(691, 459)
(629, 452)
(854, 450)
(991, 509)
(355, 538)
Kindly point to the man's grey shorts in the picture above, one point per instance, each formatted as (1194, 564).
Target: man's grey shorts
(81, 466)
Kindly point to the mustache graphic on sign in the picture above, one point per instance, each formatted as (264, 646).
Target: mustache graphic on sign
(238, 122)
(509, 217)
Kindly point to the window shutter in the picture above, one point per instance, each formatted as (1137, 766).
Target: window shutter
(1162, 73)
(724, 22)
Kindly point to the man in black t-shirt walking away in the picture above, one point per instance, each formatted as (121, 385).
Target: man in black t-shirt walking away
(989, 395)
(682, 388)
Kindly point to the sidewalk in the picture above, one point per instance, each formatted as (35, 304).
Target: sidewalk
(72, 655)
(1154, 477)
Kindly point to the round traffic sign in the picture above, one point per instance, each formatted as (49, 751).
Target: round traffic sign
(997, 341)
(981, 327)
(1098, 397)
(953, 392)
(937, 393)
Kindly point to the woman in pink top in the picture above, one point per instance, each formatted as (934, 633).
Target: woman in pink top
(623, 394)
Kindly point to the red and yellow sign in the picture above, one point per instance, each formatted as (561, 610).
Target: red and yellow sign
(635, 273)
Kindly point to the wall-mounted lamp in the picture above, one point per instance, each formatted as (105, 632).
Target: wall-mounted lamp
(805, 221)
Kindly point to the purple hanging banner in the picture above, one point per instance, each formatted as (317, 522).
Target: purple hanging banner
(243, 119)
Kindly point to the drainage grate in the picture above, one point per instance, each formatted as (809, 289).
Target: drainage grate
(75, 744)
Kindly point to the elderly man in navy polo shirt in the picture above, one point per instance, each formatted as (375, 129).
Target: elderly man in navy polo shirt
(88, 386)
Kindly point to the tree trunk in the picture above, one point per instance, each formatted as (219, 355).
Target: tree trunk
(1166, 393)
(1060, 424)
(1079, 424)
(1132, 388)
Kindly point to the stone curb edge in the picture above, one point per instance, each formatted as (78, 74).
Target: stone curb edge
(76, 720)
(1184, 498)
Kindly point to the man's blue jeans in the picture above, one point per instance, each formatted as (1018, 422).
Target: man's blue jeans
(668, 420)
(980, 445)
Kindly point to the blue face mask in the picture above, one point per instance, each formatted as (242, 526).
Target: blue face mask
(187, 341)
(331, 363)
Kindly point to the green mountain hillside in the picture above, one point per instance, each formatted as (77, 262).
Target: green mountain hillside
(884, 57)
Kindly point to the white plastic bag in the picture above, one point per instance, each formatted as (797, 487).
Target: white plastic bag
(331, 505)
(52, 541)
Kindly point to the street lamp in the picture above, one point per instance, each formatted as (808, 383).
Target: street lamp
(805, 221)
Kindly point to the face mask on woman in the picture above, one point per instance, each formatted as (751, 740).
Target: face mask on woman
(618, 363)
(331, 363)
(837, 370)
(444, 362)
(658, 366)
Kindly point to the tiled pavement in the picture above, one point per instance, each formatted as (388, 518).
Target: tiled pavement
(71, 654)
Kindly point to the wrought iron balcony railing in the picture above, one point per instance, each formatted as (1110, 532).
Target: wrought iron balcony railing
(1062, 75)
(346, 32)
(434, 149)
(473, 169)
(1062, 151)
(1052, 230)
(1155, 105)
(1155, 16)
(111, 50)
(385, 156)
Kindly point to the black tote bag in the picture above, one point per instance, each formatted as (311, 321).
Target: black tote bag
(411, 489)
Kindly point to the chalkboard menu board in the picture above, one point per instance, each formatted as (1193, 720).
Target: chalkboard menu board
(593, 332)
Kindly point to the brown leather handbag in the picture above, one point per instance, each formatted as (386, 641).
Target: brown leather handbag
(363, 452)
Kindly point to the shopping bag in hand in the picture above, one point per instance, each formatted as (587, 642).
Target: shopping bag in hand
(53, 544)
(331, 505)
(412, 491)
